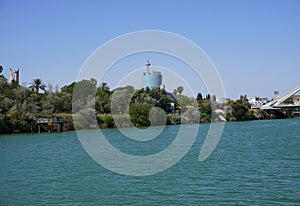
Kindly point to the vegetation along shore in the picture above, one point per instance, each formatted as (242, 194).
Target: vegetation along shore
(20, 106)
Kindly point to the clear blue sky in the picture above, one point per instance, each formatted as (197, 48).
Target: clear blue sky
(255, 45)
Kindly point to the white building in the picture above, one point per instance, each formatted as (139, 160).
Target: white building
(258, 101)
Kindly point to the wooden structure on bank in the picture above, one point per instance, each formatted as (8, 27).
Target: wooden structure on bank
(50, 122)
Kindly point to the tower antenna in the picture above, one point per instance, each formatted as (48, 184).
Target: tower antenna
(148, 65)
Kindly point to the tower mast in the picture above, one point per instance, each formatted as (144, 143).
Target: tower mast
(148, 65)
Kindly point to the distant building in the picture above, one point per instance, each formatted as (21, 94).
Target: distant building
(151, 79)
(258, 101)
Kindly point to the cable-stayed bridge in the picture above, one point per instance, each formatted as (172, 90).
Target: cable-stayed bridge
(279, 103)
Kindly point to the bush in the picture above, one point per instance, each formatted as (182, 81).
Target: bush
(108, 121)
(173, 119)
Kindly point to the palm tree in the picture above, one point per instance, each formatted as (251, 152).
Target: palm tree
(180, 89)
(104, 87)
(36, 85)
(175, 92)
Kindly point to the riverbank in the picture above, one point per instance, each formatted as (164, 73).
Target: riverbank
(106, 121)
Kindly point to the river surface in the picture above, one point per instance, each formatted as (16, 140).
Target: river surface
(255, 163)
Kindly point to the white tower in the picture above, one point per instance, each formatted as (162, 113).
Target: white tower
(148, 65)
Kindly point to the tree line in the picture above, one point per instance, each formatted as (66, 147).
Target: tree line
(21, 105)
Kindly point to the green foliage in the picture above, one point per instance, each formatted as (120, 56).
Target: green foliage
(20, 106)
(103, 103)
(105, 121)
(68, 88)
(199, 98)
(153, 98)
(240, 110)
(139, 114)
(173, 119)
(205, 108)
(186, 101)
(108, 119)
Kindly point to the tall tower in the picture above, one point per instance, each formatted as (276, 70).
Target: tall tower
(148, 65)
(151, 79)
(14, 76)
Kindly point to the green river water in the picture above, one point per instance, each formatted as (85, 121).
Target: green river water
(255, 163)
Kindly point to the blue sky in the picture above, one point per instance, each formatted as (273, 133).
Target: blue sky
(255, 45)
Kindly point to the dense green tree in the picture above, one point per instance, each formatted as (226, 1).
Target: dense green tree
(1, 69)
(34, 103)
(68, 88)
(240, 109)
(52, 104)
(199, 97)
(65, 105)
(6, 97)
(19, 96)
(207, 97)
(103, 103)
(153, 98)
(139, 114)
